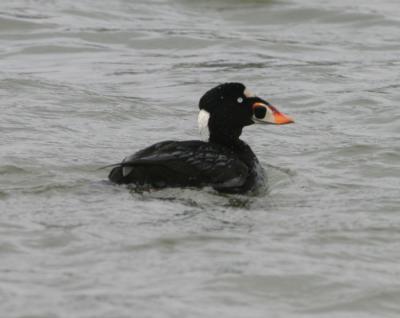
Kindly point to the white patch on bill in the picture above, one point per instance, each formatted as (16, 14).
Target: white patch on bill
(268, 118)
(202, 121)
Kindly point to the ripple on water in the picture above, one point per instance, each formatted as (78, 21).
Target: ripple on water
(84, 86)
(10, 24)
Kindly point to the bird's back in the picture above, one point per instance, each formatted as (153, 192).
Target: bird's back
(182, 164)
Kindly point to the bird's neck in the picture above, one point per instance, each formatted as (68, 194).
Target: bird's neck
(227, 137)
(242, 149)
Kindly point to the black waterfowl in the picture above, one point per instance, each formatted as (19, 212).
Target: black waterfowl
(224, 162)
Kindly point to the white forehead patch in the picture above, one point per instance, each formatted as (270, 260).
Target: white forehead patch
(248, 93)
(202, 121)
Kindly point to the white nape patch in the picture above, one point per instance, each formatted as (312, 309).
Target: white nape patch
(202, 121)
(248, 93)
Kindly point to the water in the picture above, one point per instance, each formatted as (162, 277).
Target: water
(83, 84)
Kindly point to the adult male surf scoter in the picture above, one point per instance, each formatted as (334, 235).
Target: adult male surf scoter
(224, 162)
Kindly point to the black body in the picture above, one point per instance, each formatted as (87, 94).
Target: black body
(224, 162)
(192, 164)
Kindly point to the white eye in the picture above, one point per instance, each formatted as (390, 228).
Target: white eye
(240, 100)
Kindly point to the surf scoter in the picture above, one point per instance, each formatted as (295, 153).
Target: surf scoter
(224, 162)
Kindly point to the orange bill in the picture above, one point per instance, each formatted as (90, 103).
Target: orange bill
(269, 114)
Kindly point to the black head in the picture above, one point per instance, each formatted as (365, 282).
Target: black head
(227, 108)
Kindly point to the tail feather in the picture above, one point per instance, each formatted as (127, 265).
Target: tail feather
(116, 175)
(110, 166)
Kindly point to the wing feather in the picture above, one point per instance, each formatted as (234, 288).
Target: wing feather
(185, 163)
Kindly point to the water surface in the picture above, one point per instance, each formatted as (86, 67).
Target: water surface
(83, 84)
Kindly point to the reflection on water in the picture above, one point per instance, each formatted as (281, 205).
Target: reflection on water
(82, 86)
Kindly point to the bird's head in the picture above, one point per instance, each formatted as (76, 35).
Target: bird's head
(227, 108)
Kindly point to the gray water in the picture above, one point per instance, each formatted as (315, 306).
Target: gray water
(85, 83)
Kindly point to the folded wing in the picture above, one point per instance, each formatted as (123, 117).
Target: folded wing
(181, 164)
